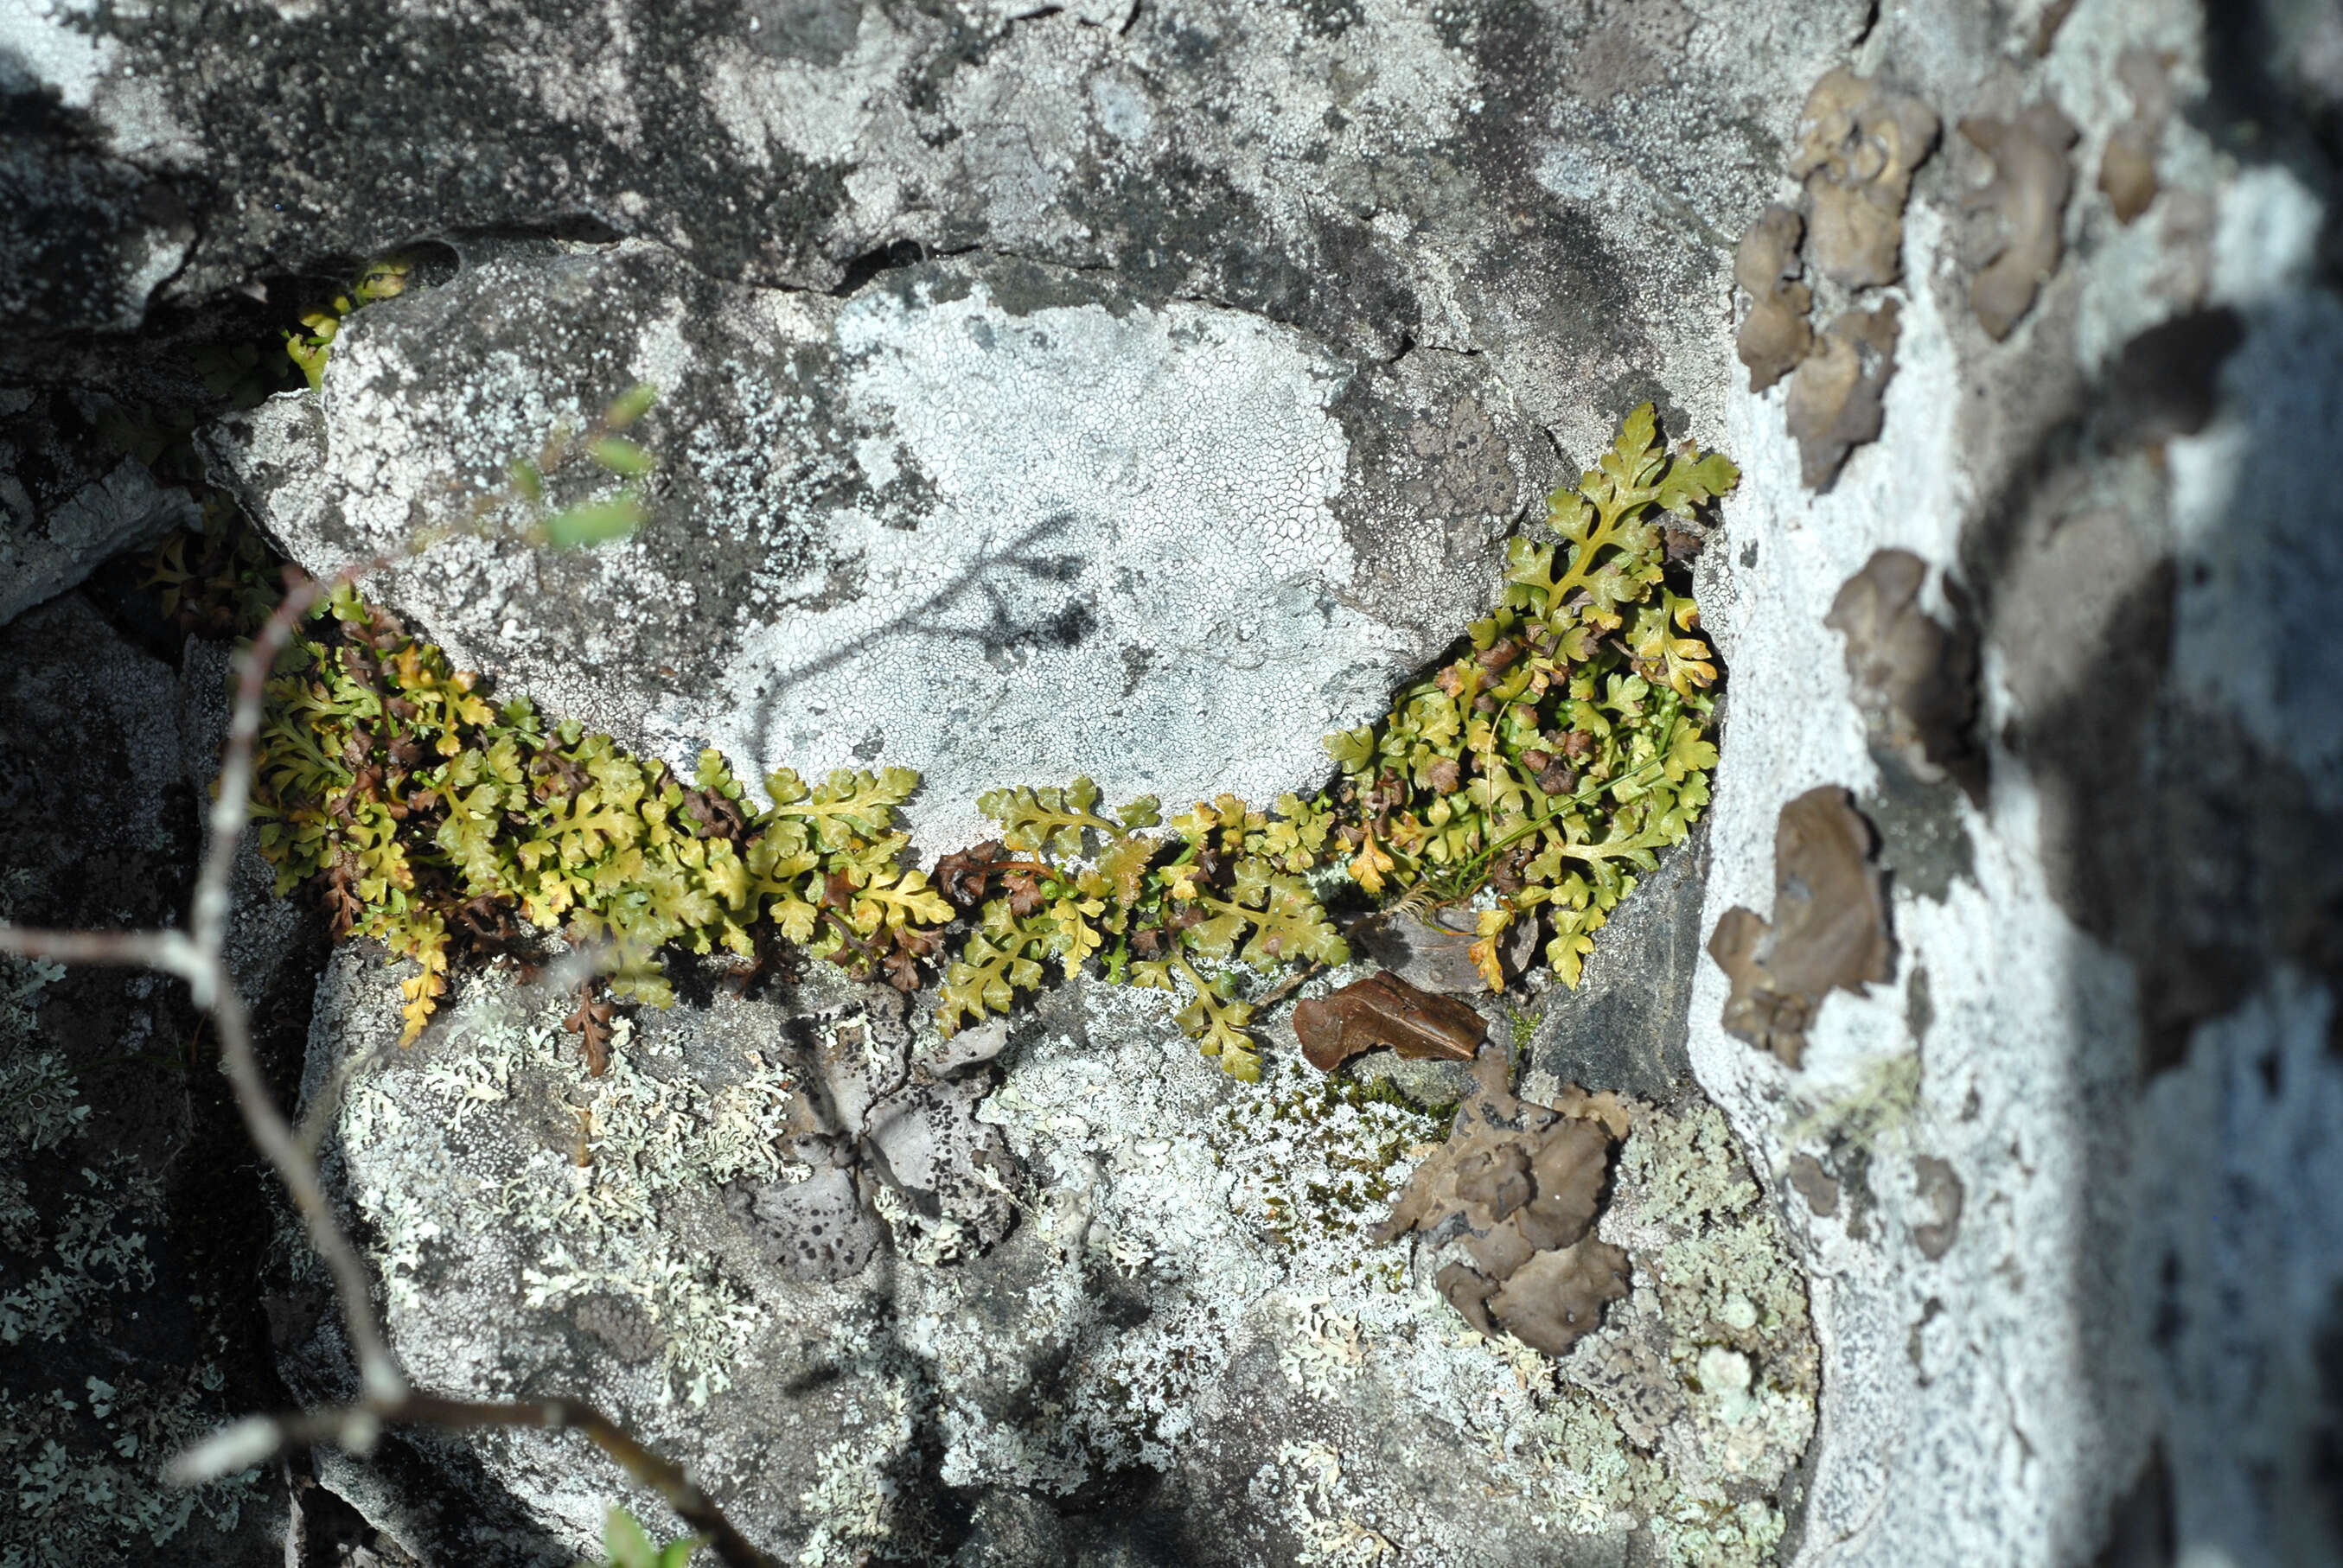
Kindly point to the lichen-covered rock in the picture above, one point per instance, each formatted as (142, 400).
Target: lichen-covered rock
(1190, 1288)
(990, 521)
(2114, 904)
(113, 1223)
(2065, 1191)
(1543, 188)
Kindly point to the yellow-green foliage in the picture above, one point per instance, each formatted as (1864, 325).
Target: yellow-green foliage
(629, 1546)
(1549, 763)
(424, 813)
(1569, 746)
(310, 348)
(1077, 885)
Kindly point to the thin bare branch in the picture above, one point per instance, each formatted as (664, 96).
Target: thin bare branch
(232, 801)
(169, 951)
(379, 1371)
(258, 1439)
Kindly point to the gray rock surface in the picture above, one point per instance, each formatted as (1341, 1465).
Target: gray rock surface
(2057, 1200)
(993, 521)
(1557, 188)
(1188, 1307)
(90, 235)
(2005, 1161)
(69, 497)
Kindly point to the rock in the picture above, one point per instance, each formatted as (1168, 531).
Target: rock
(1116, 535)
(1182, 1294)
(126, 1195)
(89, 236)
(1624, 1028)
(2122, 1051)
(68, 497)
(1489, 181)
(2100, 927)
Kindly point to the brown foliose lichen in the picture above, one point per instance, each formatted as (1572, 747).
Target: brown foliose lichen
(1912, 677)
(1517, 1186)
(1773, 337)
(2027, 199)
(1837, 398)
(1858, 143)
(1829, 928)
(2128, 165)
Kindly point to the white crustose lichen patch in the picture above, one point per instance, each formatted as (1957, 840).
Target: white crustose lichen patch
(583, 1219)
(1064, 444)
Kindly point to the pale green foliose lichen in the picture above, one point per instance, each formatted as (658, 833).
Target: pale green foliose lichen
(1244, 1215)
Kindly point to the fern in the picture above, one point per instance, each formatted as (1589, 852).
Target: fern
(1550, 762)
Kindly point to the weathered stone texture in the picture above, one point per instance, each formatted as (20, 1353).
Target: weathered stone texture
(1140, 389)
